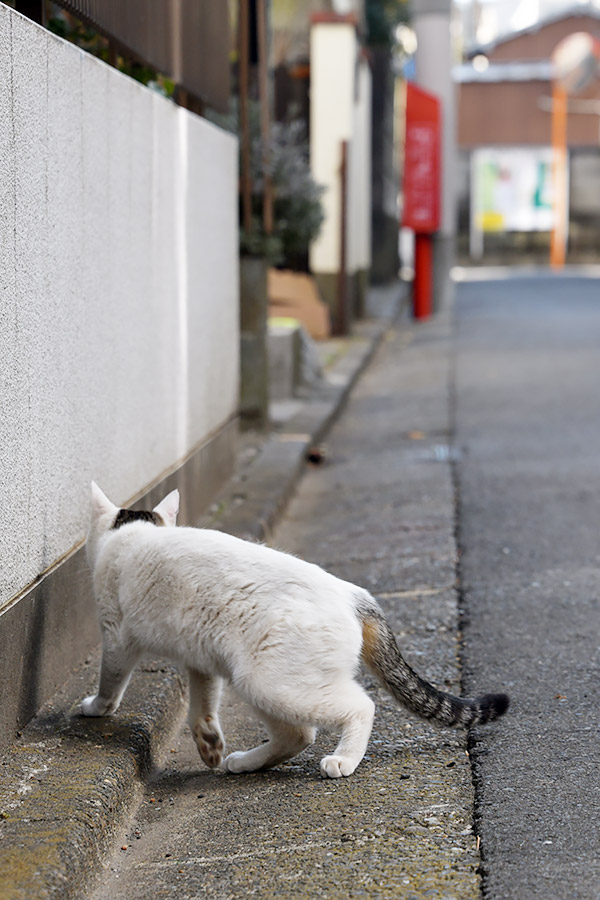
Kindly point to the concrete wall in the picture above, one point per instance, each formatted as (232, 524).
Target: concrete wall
(119, 326)
(333, 52)
(340, 85)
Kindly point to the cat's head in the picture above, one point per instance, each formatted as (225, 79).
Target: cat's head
(106, 516)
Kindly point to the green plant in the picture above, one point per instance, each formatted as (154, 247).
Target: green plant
(67, 26)
(297, 209)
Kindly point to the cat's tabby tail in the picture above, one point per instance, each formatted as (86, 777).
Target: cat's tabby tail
(381, 654)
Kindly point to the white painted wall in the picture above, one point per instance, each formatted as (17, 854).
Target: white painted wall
(341, 110)
(119, 291)
(333, 50)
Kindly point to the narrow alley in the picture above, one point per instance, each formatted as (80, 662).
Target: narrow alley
(498, 401)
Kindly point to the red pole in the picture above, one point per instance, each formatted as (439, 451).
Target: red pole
(422, 282)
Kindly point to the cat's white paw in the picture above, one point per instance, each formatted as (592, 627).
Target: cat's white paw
(235, 762)
(337, 766)
(94, 706)
(210, 743)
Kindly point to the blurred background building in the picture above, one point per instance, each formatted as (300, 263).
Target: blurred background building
(505, 160)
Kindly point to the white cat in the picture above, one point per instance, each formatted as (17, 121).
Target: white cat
(286, 634)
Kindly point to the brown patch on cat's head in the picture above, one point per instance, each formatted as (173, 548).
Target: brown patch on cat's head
(126, 516)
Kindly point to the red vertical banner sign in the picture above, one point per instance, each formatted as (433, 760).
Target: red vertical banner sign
(422, 186)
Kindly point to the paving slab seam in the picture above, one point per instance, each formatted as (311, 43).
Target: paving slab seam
(70, 784)
(461, 601)
(462, 616)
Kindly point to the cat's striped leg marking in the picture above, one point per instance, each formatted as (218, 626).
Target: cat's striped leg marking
(203, 717)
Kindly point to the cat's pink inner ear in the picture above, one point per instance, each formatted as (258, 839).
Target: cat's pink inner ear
(100, 502)
(169, 507)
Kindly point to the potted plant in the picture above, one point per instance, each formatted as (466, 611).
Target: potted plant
(283, 169)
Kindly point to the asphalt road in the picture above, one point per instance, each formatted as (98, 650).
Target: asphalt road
(527, 428)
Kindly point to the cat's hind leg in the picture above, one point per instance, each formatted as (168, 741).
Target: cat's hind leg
(115, 671)
(285, 741)
(203, 716)
(356, 722)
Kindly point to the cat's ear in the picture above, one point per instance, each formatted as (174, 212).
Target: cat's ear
(100, 502)
(169, 507)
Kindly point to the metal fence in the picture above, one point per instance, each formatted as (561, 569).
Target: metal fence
(188, 40)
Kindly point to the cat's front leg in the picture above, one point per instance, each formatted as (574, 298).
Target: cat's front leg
(94, 705)
(115, 671)
(203, 717)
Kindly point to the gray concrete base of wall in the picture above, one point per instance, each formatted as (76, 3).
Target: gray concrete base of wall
(361, 287)
(283, 342)
(384, 248)
(254, 378)
(444, 250)
(254, 363)
(343, 314)
(51, 627)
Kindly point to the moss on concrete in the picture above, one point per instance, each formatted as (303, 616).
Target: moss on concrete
(69, 782)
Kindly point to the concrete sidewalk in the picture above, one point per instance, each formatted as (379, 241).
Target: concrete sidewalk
(378, 511)
(69, 784)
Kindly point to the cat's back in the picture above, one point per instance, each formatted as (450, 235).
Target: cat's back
(140, 539)
(228, 555)
(200, 555)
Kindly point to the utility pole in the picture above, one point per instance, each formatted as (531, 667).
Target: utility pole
(431, 23)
